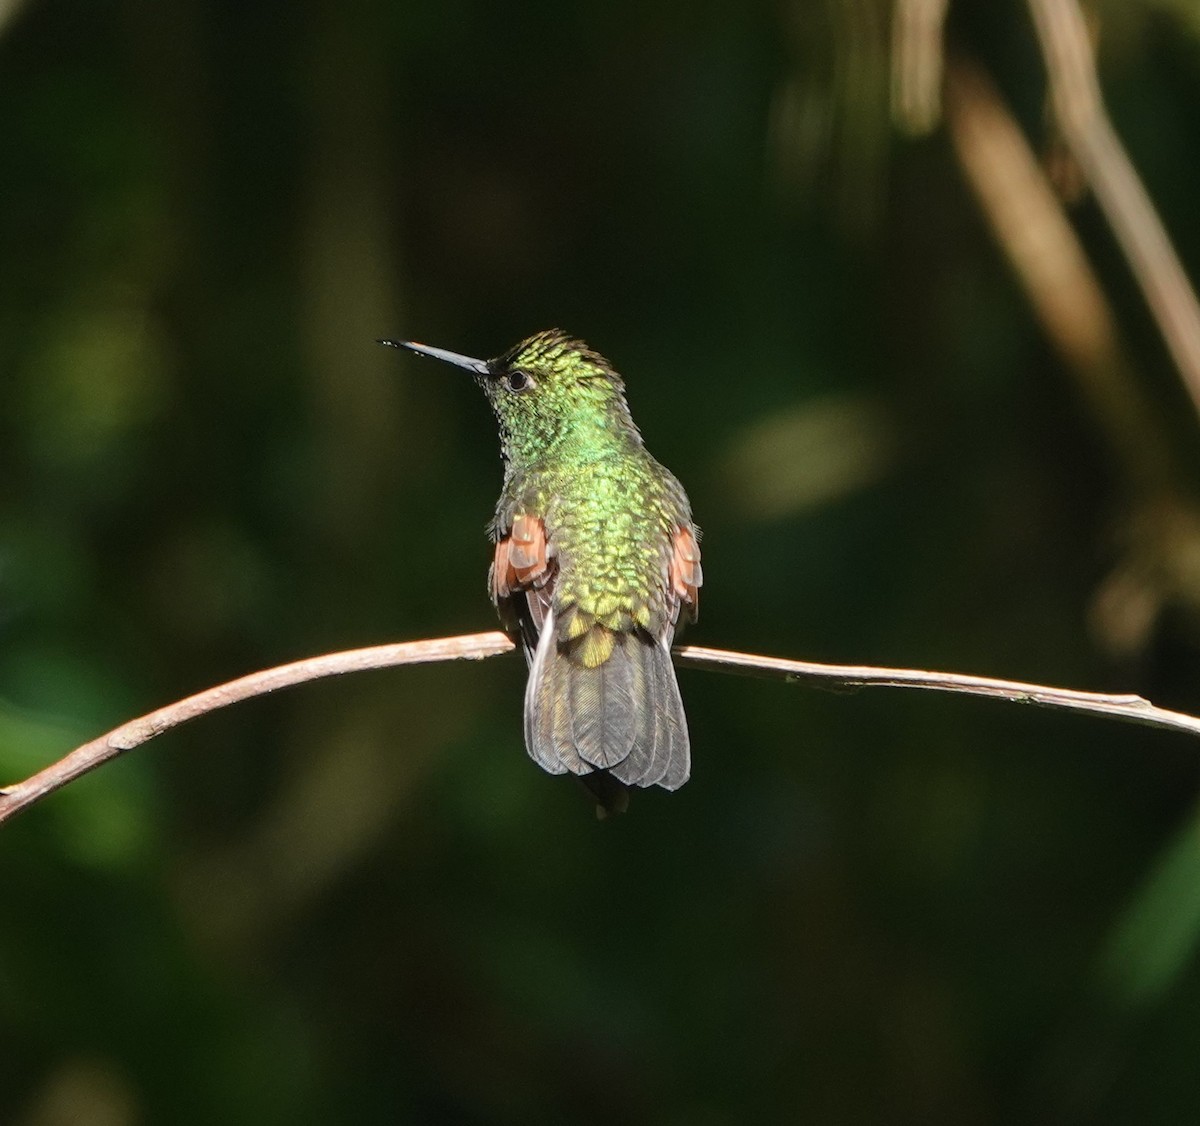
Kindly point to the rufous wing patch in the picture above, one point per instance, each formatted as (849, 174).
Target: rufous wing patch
(686, 575)
(521, 558)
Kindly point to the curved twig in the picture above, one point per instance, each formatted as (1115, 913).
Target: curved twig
(1126, 706)
(477, 646)
(474, 646)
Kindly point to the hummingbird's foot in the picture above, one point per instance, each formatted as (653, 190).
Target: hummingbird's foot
(612, 797)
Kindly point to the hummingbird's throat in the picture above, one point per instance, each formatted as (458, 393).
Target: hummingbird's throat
(566, 442)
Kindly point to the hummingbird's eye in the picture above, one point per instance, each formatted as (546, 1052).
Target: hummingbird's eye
(518, 380)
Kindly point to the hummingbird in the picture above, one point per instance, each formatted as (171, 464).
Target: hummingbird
(596, 565)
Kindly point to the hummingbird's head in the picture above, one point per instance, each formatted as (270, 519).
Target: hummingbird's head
(548, 390)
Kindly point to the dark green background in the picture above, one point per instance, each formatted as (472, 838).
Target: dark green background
(358, 901)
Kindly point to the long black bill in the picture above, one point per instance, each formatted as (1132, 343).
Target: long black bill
(477, 367)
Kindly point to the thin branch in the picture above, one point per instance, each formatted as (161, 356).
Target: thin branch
(1079, 107)
(477, 646)
(133, 734)
(1126, 707)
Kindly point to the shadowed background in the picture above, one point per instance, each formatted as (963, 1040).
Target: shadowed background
(359, 902)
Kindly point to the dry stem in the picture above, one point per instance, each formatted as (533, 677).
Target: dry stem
(1132, 709)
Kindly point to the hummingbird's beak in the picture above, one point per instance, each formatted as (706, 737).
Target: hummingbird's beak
(476, 367)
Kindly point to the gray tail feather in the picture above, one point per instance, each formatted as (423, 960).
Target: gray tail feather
(623, 719)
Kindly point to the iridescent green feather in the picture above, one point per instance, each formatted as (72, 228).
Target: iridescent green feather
(602, 700)
(603, 695)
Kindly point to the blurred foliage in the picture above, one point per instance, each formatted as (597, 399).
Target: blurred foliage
(358, 902)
